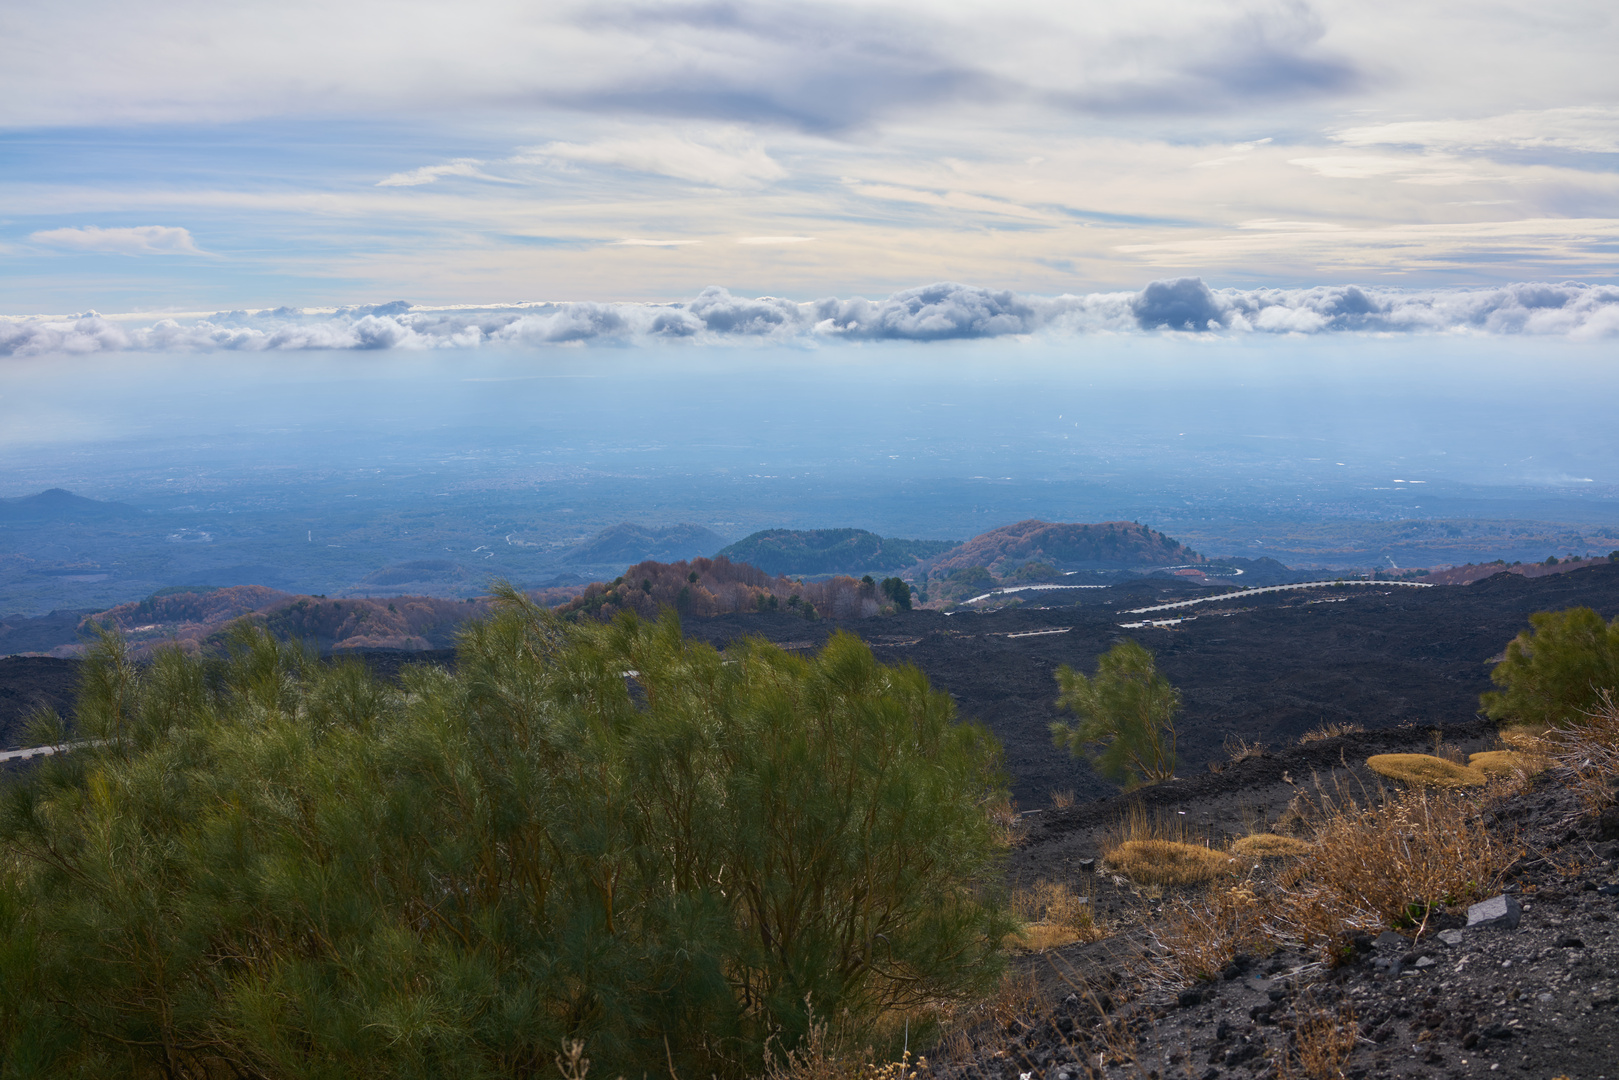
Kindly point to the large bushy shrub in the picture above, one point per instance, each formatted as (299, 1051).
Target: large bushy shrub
(1556, 672)
(270, 866)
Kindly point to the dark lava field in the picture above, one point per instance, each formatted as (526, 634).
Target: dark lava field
(1265, 668)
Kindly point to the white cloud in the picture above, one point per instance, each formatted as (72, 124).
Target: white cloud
(140, 240)
(1355, 167)
(136, 240)
(428, 174)
(936, 312)
(775, 239)
(639, 242)
(729, 160)
(1583, 129)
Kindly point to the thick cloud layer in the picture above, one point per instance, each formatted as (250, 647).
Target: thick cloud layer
(931, 313)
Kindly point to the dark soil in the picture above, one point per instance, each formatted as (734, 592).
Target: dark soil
(31, 682)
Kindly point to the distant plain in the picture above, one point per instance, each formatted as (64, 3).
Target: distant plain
(318, 472)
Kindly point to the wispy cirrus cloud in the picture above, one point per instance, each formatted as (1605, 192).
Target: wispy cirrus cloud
(642, 148)
(728, 159)
(427, 174)
(137, 240)
(1591, 129)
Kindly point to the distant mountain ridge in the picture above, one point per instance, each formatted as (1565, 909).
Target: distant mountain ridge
(830, 551)
(59, 504)
(1067, 546)
(193, 618)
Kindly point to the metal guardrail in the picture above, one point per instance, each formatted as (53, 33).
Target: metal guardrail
(1239, 594)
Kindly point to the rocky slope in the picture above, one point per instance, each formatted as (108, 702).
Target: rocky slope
(1536, 998)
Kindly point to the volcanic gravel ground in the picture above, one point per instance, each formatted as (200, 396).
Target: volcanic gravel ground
(26, 684)
(1538, 1001)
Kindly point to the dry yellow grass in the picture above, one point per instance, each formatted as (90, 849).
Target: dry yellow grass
(1052, 916)
(1199, 935)
(1388, 864)
(1425, 770)
(1587, 755)
(1322, 1043)
(1529, 738)
(1268, 845)
(1329, 731)
(1502, 762)
(1168, 862)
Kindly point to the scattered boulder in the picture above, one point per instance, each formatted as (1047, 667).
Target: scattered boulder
(1608, 824)
(1497, 913)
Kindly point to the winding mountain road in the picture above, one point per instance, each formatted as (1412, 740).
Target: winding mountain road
(1241, 593)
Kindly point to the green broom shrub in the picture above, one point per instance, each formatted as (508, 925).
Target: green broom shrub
(265, 865)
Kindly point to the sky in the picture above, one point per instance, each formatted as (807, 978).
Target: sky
(191, 158)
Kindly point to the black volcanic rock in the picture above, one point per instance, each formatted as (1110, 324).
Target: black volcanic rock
(28, 683)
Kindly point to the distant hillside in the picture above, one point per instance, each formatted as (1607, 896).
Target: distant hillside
(630, 543)
(416, 576)
(719, 586)
(831, 551)
(193, 618)
(60, 505)
(1067, 547)
(1466, 575)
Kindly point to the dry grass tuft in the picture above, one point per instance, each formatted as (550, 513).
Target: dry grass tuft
(1053, 916)
(1503, 763)
(1383, 863)
(1425, 771)
(1238, 749)
(1169, 862)
(1270, 845)
(1062, 800)
(1320, 1046)
(1157, 850)
(1330, 731)
(1529, 738)
(823, 1056)
(1587, 756)
(1391, 864)
(1008, 823)
(1198, 936)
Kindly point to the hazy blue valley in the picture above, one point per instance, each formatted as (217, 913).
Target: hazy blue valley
(349, 474)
